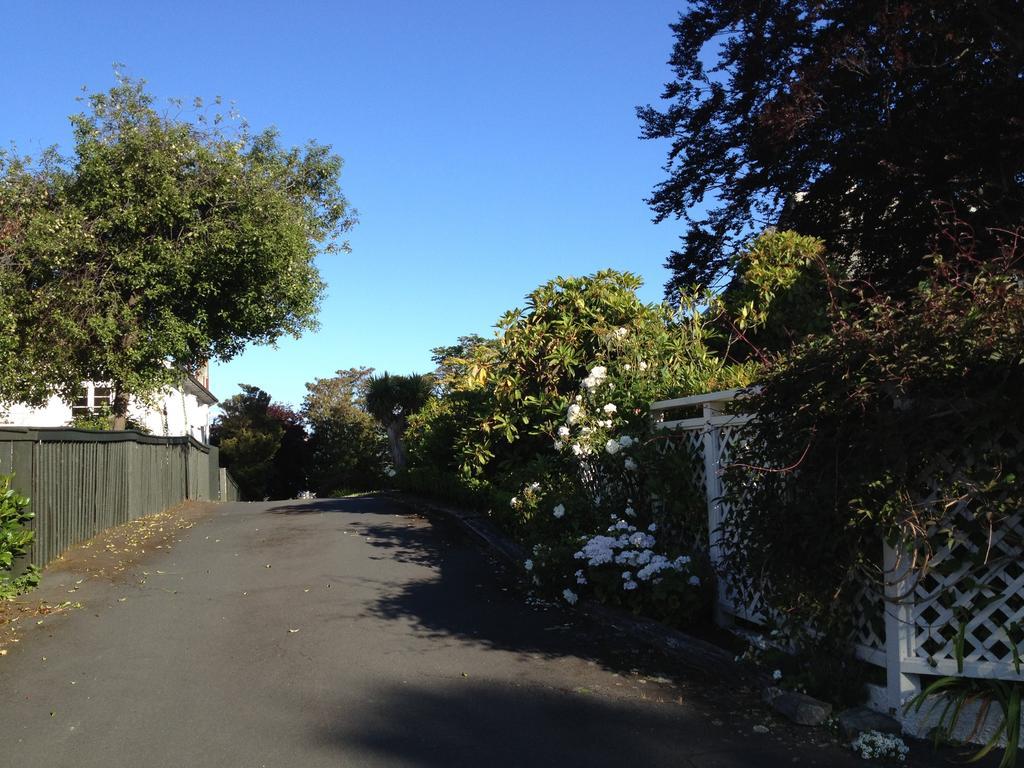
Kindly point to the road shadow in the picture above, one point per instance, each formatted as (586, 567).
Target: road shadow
(476, 723)
(355, 504)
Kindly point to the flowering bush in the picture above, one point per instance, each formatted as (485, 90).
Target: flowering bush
(559, 433)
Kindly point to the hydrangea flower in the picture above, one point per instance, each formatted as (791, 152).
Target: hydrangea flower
(612, 447)
(570, 596)
(630, 585)
(777, 675)
(558, 511)
(580, 578)
(694, 581)
(626, 441)
(629, 464)
(528, 565)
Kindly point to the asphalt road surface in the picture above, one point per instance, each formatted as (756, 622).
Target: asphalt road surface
(353, 632)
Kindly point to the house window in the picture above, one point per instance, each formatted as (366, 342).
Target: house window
(92, 398)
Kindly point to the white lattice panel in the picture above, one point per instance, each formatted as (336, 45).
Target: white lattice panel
(980, 580)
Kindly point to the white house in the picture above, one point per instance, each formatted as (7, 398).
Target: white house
(183, 410)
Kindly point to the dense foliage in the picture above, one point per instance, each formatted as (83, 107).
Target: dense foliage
(857, 106)
(347, 449)
(896, 425)
(547, 428)
(159, 239)
(15, 539)
(262, 443)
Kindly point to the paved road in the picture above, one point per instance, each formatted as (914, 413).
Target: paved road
(352, 633)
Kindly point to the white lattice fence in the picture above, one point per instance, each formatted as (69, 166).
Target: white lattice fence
(711, 437)
(910, 627)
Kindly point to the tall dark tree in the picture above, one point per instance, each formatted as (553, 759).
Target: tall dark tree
(262, 443)
(880, 117)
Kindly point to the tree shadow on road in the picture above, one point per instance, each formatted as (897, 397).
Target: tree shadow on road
(477, 723)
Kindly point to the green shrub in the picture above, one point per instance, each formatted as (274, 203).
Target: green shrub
(15, 539)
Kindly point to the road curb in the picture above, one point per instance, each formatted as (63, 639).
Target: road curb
(685, 649)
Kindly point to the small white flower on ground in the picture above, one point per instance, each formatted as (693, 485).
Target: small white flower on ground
(610, 408)
(622, 332)
(630, 464)
(612, 447)
(875, 744)
(642, 366)
(559, 511)
(570, 596)
(694, 581)
(777, 674)
(534, 486)
(628, 367)
(563, 432)
(528, 565)
(559, 445)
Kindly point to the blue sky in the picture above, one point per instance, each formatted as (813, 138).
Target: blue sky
(488, 146)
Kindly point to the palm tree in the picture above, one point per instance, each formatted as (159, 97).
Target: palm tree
(391, 400)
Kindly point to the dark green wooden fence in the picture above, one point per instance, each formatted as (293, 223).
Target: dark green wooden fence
(81, 482)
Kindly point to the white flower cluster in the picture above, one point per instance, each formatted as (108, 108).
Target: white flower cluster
(628, 546)
(597, 376)
(872, 745)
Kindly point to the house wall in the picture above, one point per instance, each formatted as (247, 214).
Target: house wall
(172, 414)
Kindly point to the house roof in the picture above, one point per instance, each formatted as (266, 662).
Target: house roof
(195, 387)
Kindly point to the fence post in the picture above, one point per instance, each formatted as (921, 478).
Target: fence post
(713, 485)
(899, 630)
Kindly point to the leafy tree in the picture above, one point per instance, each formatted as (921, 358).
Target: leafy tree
(262, 443)
(858, 110)
(391, 400)
(347, 447)
(568, 326)
(346, 390)
(158, 240)
(456, 362)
